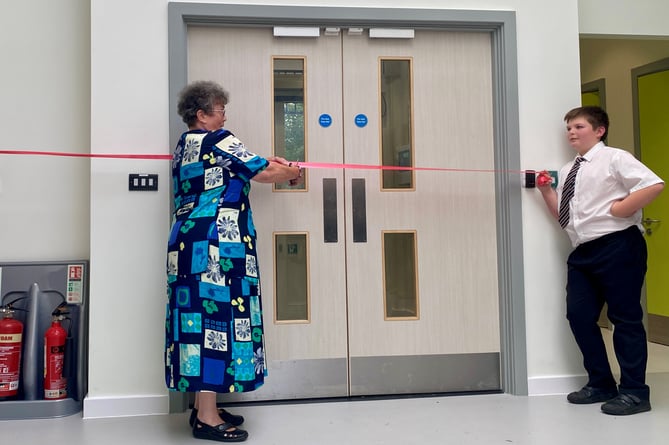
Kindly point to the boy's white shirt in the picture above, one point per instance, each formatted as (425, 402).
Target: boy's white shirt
(607, 175)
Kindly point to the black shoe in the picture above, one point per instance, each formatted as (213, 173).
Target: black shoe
(227, 417)
(221, 433)
(232, 419)
(588, 394)
(625, 404)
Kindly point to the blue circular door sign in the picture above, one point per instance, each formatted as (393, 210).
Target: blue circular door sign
(325, 120)
(360, 120)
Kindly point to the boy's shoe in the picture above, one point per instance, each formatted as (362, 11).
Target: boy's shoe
(588, 394)
(625, 404)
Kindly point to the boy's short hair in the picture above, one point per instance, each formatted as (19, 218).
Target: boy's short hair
(596, 116)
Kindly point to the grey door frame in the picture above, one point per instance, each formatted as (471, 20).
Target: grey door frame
(502, 27)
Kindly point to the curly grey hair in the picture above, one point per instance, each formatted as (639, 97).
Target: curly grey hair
(200, 95)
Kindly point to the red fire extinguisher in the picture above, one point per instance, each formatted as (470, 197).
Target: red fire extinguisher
(11, 336)
(55, 383)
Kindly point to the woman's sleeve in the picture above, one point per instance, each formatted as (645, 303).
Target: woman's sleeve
(231, 153)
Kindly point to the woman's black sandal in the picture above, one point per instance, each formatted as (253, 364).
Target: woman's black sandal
(219, 433)
(232, 419)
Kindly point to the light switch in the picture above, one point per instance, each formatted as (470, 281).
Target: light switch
(142, 182)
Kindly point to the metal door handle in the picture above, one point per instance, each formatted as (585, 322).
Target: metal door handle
(330, 210)
(648, 224)
(359, 210)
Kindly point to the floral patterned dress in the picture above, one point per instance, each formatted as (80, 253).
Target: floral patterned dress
(214, 327)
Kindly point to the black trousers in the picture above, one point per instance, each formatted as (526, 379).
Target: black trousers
(611, 270)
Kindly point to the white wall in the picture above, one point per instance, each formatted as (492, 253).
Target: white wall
(44, 93)
(44, 106)
(624, 18)
(129, 41)
(129, 114)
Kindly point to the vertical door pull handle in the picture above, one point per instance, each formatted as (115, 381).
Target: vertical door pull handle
(359, 210)
(330, 210)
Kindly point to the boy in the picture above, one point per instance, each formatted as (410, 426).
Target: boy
(598, 202)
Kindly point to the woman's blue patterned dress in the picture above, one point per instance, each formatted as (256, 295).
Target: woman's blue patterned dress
(214, 327)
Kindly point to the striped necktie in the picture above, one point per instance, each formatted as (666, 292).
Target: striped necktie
(568, 192)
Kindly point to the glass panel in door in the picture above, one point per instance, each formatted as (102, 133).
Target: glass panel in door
(289, 112)
(396, 122)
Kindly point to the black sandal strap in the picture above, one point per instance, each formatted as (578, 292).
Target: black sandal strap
(226, 416)
(224, 432)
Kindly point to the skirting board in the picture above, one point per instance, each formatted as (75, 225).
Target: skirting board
(103, 407)
(658, 329)
(545, 386)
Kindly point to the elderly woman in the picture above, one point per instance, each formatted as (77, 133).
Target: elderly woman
(214, 327)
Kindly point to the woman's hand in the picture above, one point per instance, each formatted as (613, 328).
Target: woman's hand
(280, 170)
(300, 177)
(277, 159)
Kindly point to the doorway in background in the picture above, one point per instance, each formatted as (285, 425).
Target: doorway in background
(650, 94)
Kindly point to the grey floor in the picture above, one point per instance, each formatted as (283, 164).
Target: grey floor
(458, 420)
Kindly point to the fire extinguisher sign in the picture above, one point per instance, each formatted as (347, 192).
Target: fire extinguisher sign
(75, 283)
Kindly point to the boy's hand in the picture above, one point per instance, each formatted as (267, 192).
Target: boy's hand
(544, 179)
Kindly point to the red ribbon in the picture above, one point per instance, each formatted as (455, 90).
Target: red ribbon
(302, 164)
(83, 155)
(396, 167)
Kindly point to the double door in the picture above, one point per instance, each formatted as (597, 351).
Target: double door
(376, 279)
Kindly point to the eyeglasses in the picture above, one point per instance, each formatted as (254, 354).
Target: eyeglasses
(222, 111)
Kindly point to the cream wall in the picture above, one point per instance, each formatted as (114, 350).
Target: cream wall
(56, 68)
